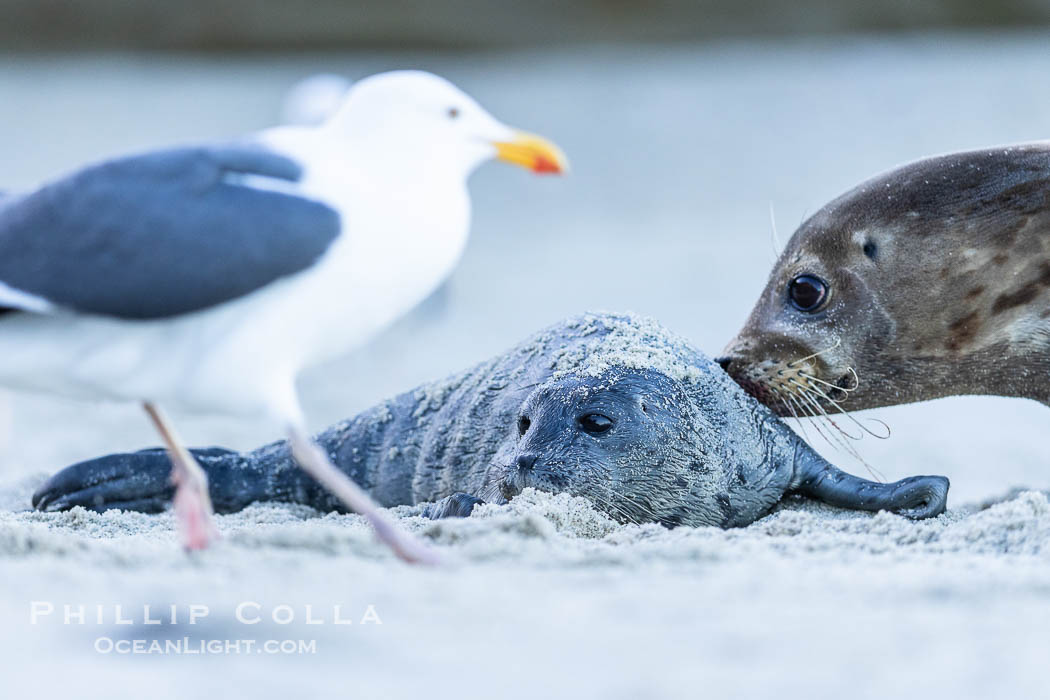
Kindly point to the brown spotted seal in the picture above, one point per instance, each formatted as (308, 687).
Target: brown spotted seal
(930, 280)
(610, 407)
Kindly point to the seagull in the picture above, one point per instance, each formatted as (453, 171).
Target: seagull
(207, 277)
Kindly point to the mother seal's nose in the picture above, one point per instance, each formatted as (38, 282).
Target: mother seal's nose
(526, 462)
(724, 362)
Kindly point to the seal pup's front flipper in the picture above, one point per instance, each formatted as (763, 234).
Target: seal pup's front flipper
(458, 505)
(916, 497)
(141, 481)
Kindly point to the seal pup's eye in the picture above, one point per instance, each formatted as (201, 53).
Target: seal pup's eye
(453, 112)
(594, 423)
(808, 293)
(523, 425)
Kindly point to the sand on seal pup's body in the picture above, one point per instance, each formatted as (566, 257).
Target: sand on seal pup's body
(612, 408)
(930, 280)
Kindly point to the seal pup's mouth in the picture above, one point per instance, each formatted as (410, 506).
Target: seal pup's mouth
(512, 485)
(516, 476)
(526, 472)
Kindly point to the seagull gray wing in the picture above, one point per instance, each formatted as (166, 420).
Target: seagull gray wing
(160, 234)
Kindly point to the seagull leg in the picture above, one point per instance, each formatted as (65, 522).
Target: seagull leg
(315, 462)
(192, 503)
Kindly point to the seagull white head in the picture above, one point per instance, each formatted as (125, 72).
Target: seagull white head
(417, 121)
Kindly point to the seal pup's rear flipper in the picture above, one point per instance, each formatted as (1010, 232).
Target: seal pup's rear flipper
(141, 481)
(916, 497)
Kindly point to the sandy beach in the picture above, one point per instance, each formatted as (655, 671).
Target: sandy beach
(543, 596)
(678, 155)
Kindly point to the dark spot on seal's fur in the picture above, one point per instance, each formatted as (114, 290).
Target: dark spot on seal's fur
(962, 331)
(974, 293)
(1019, 297)
(1000, 258)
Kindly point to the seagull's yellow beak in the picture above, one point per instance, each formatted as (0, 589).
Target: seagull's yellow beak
(533, 152)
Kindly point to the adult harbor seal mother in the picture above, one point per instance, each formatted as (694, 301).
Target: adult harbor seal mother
(613, 408)
(930, 280)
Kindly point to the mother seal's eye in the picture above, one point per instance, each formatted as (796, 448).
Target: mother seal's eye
(594, 423)
(523, 425)
(808, 293)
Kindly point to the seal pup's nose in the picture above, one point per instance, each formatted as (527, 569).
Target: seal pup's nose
(724, 362)
(526, 462)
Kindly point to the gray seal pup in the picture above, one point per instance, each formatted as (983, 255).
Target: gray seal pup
(927, 281)
(610, 407)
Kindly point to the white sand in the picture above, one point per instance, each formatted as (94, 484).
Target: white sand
(546, 592)
(552, 600)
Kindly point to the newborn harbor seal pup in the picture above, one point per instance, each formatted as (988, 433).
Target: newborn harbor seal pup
(613, 408)
(930, 280)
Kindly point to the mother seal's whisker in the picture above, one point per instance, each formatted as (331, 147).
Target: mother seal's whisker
(843, 411)
(805, 393)
(818, 353)
(815, 418)
(818, 413)
(847, 446)
(836, 432)
(798, 415)
(836, 387)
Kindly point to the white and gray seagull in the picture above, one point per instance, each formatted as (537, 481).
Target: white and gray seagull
(208, 277)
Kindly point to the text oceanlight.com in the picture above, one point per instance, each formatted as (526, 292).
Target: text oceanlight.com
(215, 647)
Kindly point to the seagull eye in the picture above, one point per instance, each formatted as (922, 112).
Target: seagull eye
(595, 423)
(453, 112)
(523, 425)
(808, 293)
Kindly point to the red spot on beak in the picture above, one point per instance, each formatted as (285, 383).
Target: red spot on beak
(546, 165)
